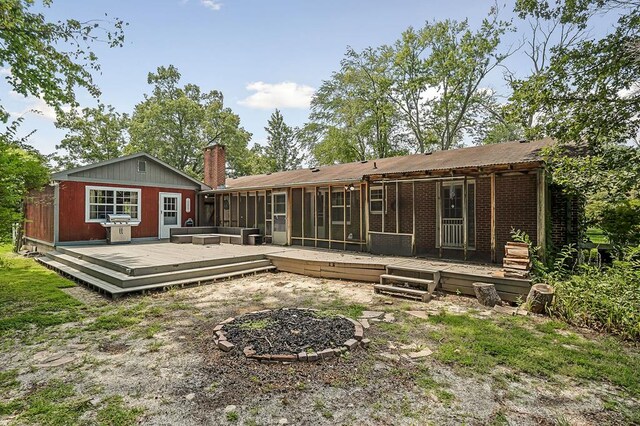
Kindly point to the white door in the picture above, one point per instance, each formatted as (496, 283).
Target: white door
(279, 232)
(170, 213)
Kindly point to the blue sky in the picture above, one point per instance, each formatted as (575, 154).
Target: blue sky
(261, 54)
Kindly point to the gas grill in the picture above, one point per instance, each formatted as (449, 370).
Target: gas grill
(118, 227)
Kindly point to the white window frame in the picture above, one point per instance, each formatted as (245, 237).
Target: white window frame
(87, 198)
(345, 202)
(381, 199)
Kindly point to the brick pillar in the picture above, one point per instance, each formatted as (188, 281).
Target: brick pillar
(214, 166)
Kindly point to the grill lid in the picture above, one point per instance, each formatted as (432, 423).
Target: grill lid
(119, 218)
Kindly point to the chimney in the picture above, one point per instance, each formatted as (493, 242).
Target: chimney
(214, 166)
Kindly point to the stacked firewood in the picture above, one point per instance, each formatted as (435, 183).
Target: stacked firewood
(517, 262)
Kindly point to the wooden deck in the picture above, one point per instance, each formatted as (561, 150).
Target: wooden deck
(155, 259)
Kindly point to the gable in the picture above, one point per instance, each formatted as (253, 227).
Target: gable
(125, 171)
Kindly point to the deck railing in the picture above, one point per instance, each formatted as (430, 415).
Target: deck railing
(452, 232)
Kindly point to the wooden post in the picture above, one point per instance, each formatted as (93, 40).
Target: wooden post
(344, 215)
(542, 210)
(438, 217)
(360, 224)
(493, 217)
(255, 211)
(397, 205)
(330, 211)
(237, 209)
(465, 217)
(289, 214)
(384, 204)
(315, 212)
(303, 194)
(413, 209)
(366, 214)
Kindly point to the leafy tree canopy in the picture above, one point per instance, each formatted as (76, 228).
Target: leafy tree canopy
(50, 59)
(94, 134)
(175, 123)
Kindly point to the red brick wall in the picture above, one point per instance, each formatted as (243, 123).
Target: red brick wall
(426, 218)
(516, 208)
(72, 211)
(390, 216)
(39, 208)
(405, 202)
(483, 217)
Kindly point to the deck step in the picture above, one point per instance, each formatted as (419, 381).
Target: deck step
(123, 280)
(410, 293)
(429, 285)
(114, 290)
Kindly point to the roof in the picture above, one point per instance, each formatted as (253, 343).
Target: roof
(66, 174)
(477, 156)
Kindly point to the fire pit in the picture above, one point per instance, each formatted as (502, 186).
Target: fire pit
(289, 334)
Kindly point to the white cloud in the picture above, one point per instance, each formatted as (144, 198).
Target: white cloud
(5, 71)
(278, 95)
(34, 105)
(211, 4)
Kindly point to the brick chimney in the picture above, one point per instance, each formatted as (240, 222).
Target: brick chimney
(214, 166)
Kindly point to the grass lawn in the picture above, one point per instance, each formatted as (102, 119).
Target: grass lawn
(149, 359)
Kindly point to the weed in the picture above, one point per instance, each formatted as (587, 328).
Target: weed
(154, 346)
(232, 416)
(114, 321)
(53, 404)
(255, 324)
(8, 380)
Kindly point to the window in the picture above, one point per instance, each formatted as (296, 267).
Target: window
(142, 166)
(376, 200)
(338, 207)
(101, 201)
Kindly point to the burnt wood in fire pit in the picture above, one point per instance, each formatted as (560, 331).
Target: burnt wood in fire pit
(271, 334)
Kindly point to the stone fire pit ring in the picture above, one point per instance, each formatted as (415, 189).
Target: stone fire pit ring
(289, 335)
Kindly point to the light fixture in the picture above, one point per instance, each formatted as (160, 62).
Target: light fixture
(349, 188)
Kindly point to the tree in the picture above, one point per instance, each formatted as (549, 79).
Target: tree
(176, 123)
(588, 95)
(352, 110)
(50, 59)
(458, 62)
(282, 149)
(94, 134)
(23, 169)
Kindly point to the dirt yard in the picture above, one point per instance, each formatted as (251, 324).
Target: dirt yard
(152, 360)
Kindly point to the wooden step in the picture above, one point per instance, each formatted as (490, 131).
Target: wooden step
(103, 286)
(123, 280)
(430, 285)
(410, 293)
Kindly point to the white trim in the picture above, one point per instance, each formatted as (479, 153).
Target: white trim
(124, 182)
(87, 190)
(382, 199)
(160, 211)
(285, 214)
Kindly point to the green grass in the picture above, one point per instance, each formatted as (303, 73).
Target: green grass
(116, 413)
(31, 295)
(53, 404)
(254, 325)
(480, 345)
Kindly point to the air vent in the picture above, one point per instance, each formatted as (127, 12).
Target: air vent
(268, 173)
(363, 162)
(315, 169)
(524, 141)
(428, 153)
(142, 166)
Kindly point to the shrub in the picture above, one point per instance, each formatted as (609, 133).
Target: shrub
(606, 299)
(621, 222)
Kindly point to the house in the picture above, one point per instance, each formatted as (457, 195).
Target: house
(71, 209)
(461, 204)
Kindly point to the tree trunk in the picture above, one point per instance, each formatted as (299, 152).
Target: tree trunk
(486, 294)
(540, 298)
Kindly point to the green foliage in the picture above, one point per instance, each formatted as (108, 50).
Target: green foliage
(176, 123)
(480, 345)
(352, 117)
(116, 413)
(621, 223)
(605, 299)
(93, 135)
(282, 150)
(30, 296)
(51, 59)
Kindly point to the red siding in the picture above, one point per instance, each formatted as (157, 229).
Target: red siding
(72, 211)
(39, 214)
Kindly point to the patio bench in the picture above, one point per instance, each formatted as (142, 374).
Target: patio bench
(205, 239)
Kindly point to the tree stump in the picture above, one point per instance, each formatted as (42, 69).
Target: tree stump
(486, 294)
(540, 298)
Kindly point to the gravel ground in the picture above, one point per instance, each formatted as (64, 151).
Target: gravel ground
(168, 365)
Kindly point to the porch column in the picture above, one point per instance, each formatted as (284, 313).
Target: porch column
(493, 217)
(542, 212)
(465, 217)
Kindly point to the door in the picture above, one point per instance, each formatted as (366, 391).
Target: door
(452, 215)
(279, 232)
(170, 213)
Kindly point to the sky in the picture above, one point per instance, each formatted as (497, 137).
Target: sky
(261, 54)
